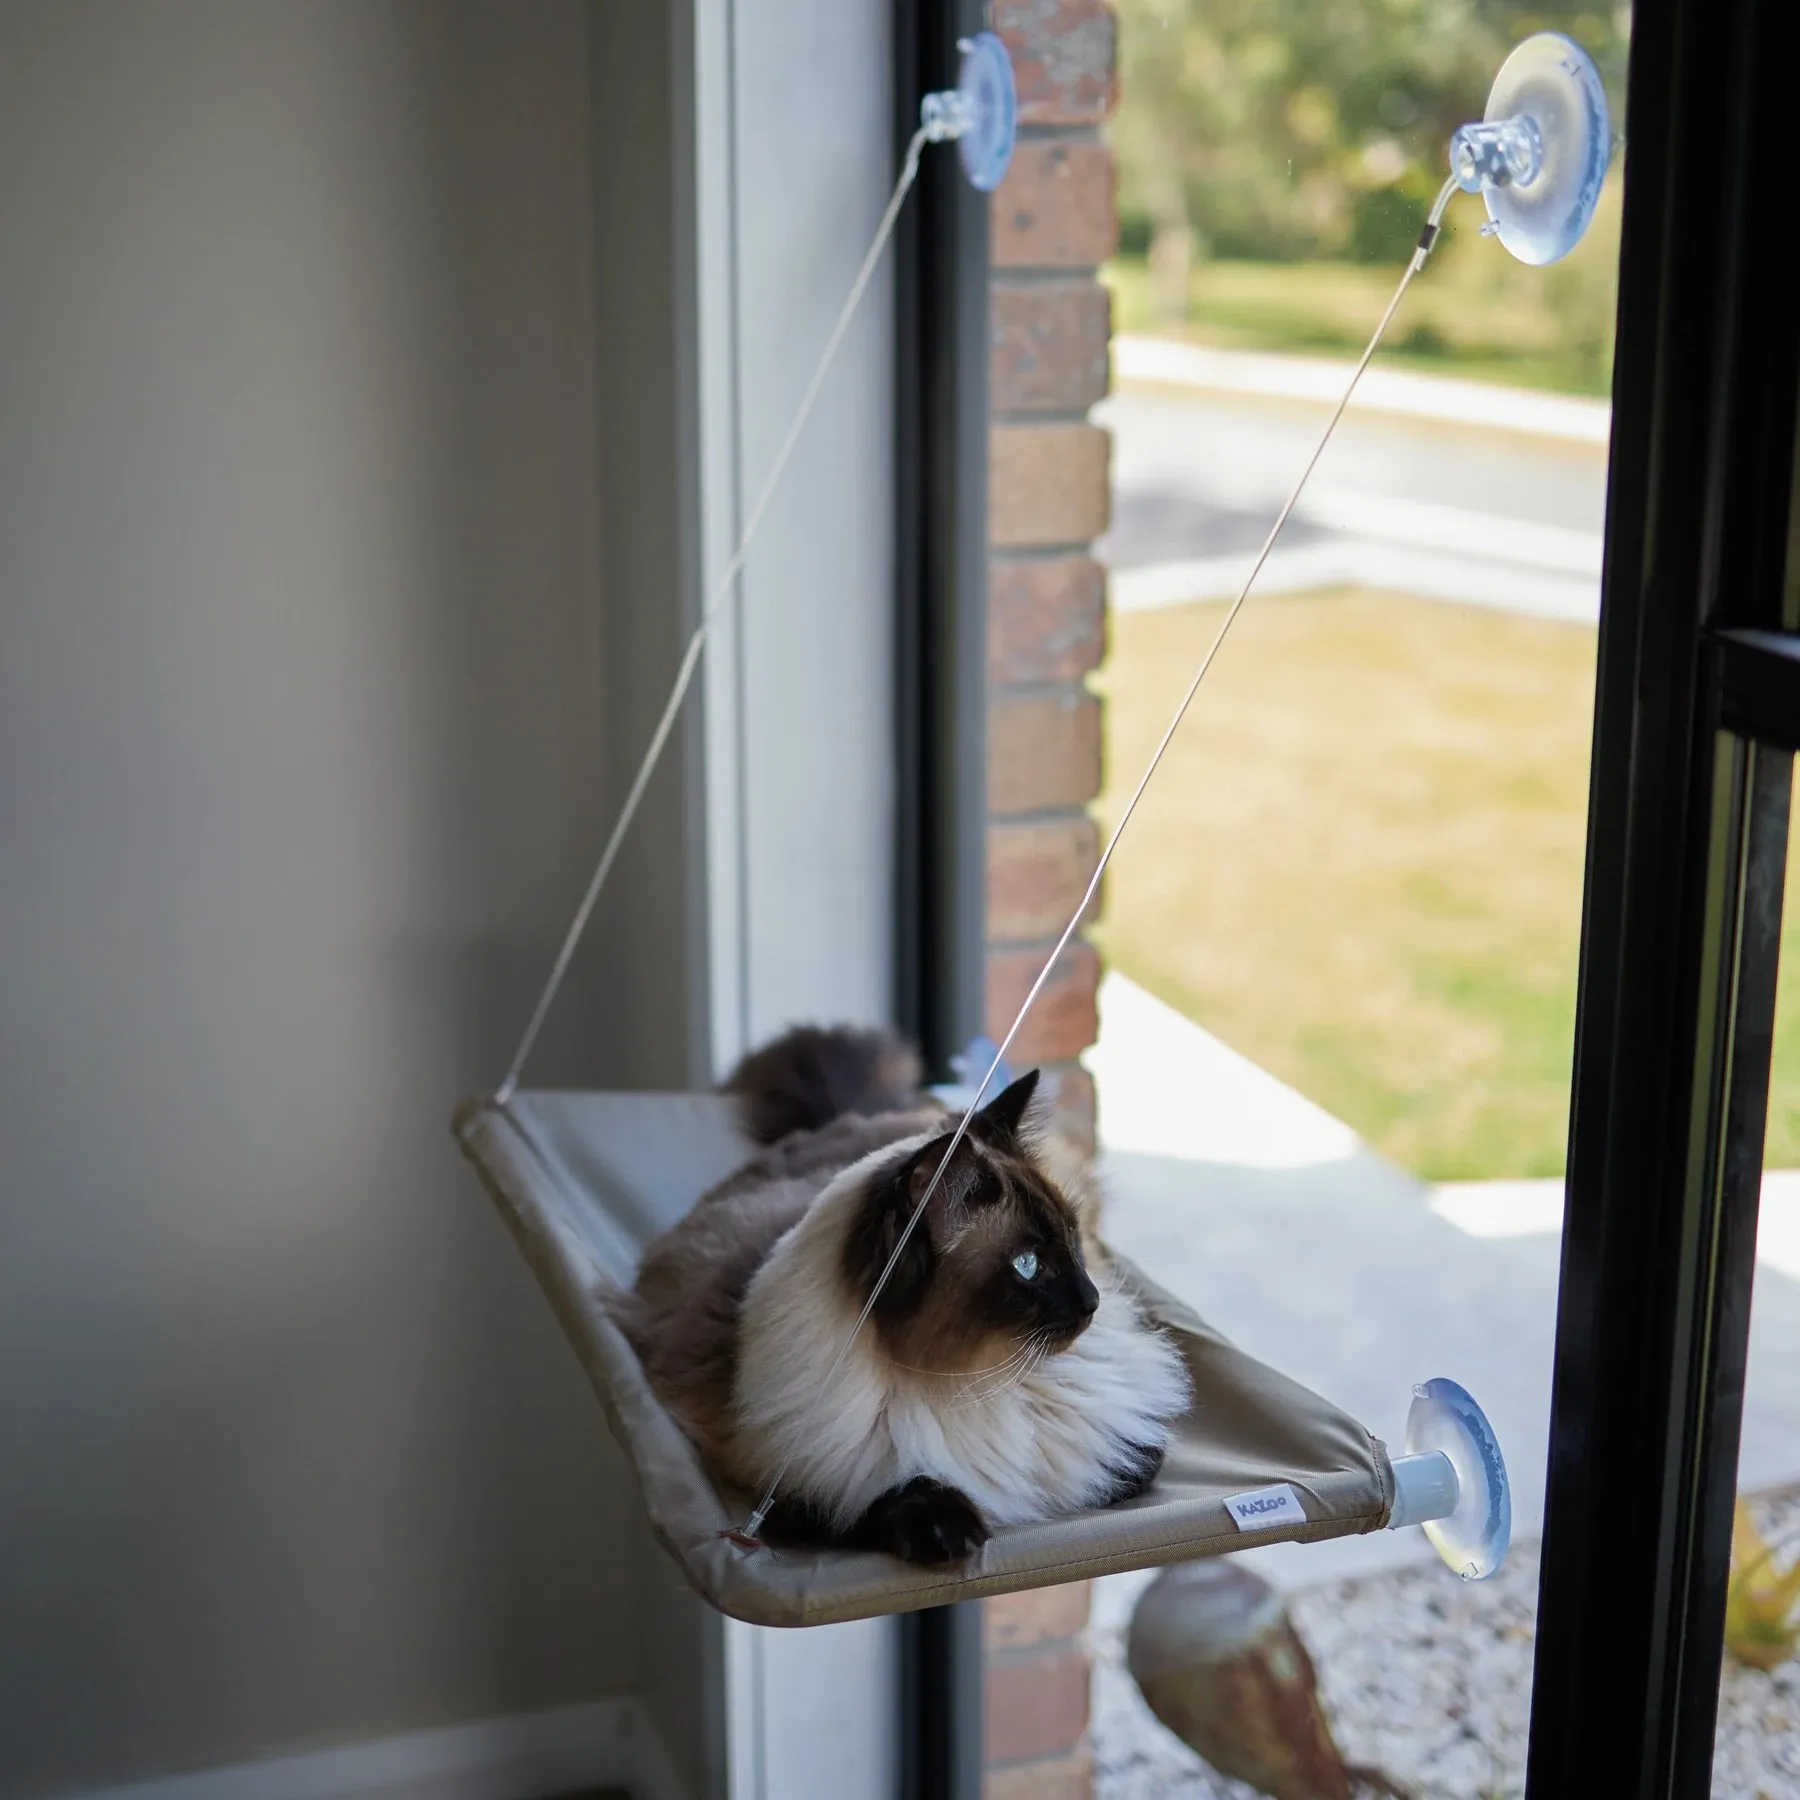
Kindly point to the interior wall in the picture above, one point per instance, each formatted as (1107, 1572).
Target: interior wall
(654, 1002)
(304, 716)
(641, 71)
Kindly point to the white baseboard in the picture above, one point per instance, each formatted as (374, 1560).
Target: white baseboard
(528, 1756)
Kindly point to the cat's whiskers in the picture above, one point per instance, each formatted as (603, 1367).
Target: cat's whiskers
(975, 1392)
(1039, 1355)
(999, 1373)
(1033, 1353)
(894, 1362)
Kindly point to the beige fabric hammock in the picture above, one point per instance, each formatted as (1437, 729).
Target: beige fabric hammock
(586, 1180)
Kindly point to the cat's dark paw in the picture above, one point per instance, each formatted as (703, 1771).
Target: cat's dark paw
(1133, 1475)
(924, 1522)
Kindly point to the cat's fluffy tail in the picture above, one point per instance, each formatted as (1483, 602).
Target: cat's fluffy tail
(812, 1075)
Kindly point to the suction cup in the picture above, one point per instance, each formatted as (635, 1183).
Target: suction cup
(985, 82)
(980, 112)
(975, 1061)
(1472, 1537)
(968, 1069)
(1539, 157)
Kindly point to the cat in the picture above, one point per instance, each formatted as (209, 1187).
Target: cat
(997, 1380)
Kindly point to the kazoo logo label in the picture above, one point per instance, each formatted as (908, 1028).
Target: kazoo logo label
(1263, 1507)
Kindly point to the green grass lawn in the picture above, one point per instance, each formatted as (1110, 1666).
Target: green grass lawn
(1474, 312)
(1361, 863)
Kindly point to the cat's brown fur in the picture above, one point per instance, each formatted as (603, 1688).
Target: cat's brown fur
(682, 1316)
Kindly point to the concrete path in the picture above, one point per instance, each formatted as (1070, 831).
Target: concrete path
(1520, 1209)
(1430, 487)
(1271, 1218)
(1401, 393)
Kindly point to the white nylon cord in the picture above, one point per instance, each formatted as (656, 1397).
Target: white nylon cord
(721, 598)
(754, 1524)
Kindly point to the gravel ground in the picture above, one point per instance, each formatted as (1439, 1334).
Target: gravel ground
(1430, 1680)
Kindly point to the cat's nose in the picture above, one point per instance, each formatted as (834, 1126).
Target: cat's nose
(1087, 1296)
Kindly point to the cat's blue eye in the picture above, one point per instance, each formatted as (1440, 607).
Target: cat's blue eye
(1025, 1265)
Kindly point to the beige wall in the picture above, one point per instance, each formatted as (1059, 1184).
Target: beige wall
(303, 741)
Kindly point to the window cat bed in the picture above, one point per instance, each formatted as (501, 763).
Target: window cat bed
(586, 1181)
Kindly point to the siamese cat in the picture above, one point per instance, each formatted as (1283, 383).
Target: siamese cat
(1005, 1375)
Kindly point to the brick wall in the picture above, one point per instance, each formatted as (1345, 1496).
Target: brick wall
(1048, 497)
(1037, 1695)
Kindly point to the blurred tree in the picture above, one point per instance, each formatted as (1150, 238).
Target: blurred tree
(1279, 130)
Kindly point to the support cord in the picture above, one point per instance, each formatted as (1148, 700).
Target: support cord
(722, 594)
(1427, 238)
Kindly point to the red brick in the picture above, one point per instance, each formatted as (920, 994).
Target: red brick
(1048, 484)
(1063, 1022)
(1075, 1108)
(1062, 1778)
(1056, 209)
(1046, 618)
(1064, 56)
(1049, 346)
(1037, 870)
(1036, 1616)
(1037, 1704)
(1043, 750)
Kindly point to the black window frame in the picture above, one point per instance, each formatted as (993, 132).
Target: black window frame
(941, 577)
(1697, 714)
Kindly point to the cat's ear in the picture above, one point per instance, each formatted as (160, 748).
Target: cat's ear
(1002, 1119)
(948, 1195)
(882, 1221)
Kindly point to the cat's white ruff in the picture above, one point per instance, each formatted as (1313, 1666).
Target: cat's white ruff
(1050, 1442)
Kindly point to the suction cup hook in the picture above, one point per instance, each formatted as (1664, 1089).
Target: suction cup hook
(1539, 157)
(980, 112)
(1452, 1480)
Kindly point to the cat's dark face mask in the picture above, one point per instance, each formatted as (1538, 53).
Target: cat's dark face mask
(994, 1267)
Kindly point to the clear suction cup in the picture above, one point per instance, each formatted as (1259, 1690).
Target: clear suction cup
(968, 1069)
(1445, 1425)
(1539, 157)
(980, 112)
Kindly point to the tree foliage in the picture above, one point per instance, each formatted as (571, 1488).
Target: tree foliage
(1289, 129)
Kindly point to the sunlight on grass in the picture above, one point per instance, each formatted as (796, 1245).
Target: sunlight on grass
(1474, 314)
(1361, 864)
